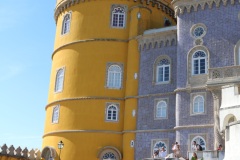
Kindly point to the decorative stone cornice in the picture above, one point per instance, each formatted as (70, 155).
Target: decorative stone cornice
(82, 131)
(180, 6)
(83, 98)
(64, 4)
(89, 40)
(194, 126)
(158, 38)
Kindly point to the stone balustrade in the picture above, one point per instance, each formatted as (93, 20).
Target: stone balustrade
(223, 75)
(19, 153)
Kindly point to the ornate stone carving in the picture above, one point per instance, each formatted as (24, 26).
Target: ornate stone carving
(181, 5)
(223, 75)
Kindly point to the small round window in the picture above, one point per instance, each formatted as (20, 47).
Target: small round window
(198, 30)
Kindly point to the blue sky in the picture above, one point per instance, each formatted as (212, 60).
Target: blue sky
(27, 34)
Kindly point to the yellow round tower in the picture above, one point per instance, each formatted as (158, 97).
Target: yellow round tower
(93, 93)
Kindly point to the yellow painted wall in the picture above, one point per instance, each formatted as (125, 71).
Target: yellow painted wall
(84, 53)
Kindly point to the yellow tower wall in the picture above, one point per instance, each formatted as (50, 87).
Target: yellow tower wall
(84, 53)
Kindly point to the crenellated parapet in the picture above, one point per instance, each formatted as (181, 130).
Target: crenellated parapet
(19, 153)
(64, 4)
(158, 38)
(181, 6)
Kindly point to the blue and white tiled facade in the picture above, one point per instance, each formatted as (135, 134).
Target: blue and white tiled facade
(181, 124)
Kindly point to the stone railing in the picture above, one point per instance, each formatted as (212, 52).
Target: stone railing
(19, 153)
(223, 75)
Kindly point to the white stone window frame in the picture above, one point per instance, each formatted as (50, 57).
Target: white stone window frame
(156, 67)
(199, 63)
(154, 141)
(156, 102)
(107, 75)
(193, 96)
(192, 137)
(198, 79)
(117, 105)
(113, 6)
(63, 23)
(56, 90)
(237, 53)
(55, 114)
(194, 27)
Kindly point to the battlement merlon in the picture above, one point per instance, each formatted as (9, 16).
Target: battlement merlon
(164, 5)
(180, 6)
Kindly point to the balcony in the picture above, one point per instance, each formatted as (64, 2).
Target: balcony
(223, 76)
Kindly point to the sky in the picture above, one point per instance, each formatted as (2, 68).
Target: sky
(27, 32)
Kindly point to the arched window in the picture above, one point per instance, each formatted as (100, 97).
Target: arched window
(158, 145)
(163, 71)
(198, 104)
(112, 113)
(55, 114)
(66, 23)
(59, 80)
(201, 141)
(114, 77)
(118, 17)
(109, 156)
(199, 65)
(161, 109)
(238, 55)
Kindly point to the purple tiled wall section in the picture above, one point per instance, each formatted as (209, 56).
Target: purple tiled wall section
(147, 60)
(143, 143)
(222, 35)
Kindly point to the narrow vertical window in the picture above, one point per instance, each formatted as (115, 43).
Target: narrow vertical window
(199, 63)
(112, 113)
(59, 80)
(114, 77)
(66, 23)
(118, 17)
(55, 114)
(161, 109)
(163, 71)
(198, 104)
(239, 55)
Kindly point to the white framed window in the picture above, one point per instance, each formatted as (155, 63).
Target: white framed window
(199, 63)
(118, 16)
(114, 77)
(55, 114)
(161, 109)
(163, 71)
(66, 23)
(198, 104)
(59, 80)
(237, 53)
(112, 112)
